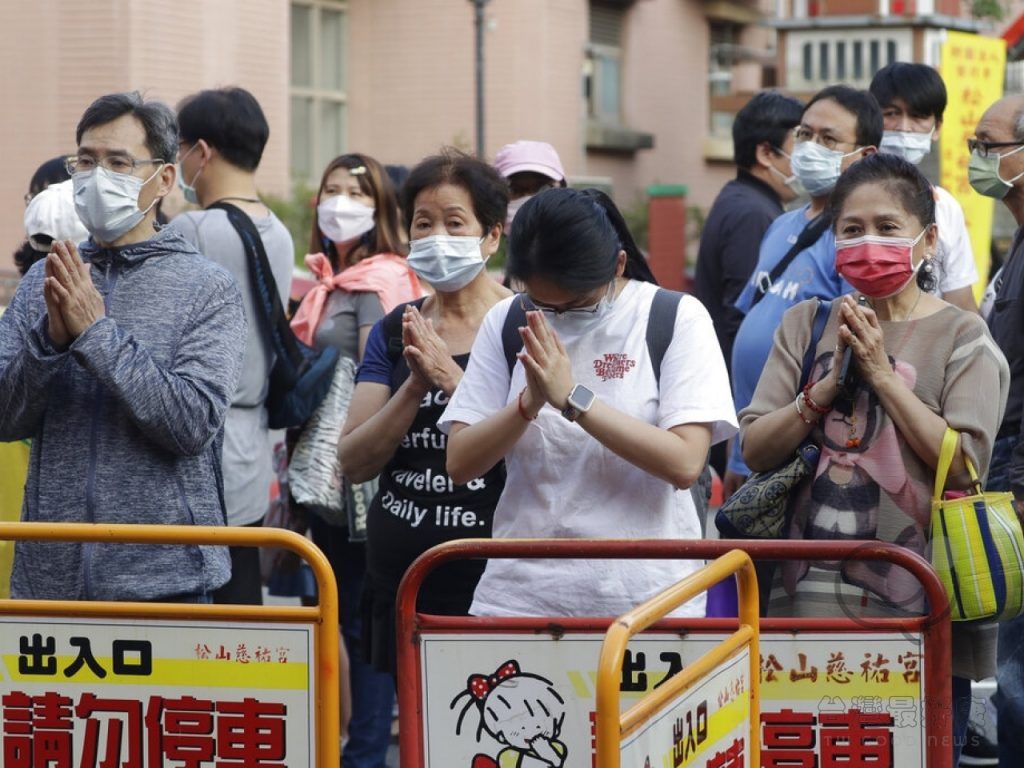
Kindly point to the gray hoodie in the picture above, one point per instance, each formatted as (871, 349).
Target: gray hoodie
(126, 424)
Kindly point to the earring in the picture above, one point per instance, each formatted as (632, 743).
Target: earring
(927, 266)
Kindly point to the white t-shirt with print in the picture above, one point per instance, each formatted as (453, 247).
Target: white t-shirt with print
(954, 254)
(563, 483)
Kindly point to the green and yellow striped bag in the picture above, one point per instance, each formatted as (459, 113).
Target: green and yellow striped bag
(977, 546)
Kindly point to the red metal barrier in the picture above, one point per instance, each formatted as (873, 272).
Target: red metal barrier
(934, 627)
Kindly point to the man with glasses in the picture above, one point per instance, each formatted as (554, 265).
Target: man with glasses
(222, 136)
(119, 363)
(839, 126)
(997, 170)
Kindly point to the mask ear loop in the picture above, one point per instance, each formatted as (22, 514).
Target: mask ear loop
(1009, 182)
(158, 198)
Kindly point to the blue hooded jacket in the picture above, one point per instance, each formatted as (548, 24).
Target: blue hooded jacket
(127, 423)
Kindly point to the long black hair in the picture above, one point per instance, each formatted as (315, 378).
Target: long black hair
(573, 237)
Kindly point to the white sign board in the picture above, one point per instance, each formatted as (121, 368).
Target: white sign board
(707, 724)
(827, 700)
(85, 693)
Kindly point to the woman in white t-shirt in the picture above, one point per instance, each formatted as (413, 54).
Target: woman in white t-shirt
(594, 444)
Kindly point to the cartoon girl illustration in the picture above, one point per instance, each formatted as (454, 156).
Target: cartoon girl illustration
(520, 710)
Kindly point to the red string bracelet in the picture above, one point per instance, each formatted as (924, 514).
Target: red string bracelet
(522, 411)
(810, 403)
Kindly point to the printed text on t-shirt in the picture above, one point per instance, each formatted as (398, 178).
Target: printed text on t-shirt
(614, 365)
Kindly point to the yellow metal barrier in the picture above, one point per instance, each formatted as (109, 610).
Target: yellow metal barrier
(324, 615)
(611, 727)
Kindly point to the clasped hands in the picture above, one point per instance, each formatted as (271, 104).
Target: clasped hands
(426, 354)
(72, 302)
(548, 368)
(860, 330)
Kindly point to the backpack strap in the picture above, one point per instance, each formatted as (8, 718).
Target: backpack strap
(511, 341)
(821, 314)
(661, 325)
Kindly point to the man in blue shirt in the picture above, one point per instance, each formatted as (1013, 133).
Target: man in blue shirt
(840, 126)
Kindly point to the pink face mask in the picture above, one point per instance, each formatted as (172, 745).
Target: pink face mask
(878, 267)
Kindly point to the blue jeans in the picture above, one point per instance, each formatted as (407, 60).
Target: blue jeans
(373, 692)
(1009, 697)
(961, 714)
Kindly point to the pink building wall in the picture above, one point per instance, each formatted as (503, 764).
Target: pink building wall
(411, 76)
(58, 55)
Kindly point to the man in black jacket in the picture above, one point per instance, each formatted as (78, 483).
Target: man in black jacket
(762, 137)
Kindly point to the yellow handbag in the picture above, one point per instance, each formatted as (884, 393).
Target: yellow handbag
(977, 546)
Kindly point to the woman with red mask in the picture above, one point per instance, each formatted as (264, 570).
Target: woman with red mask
(917, 367)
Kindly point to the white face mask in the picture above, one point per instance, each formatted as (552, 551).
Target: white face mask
(447, 262)
(909, 145)
(792, 182)
(343, 219)
(817, 167)
(108, 202)
(513, 209)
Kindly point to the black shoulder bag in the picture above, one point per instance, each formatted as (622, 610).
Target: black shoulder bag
(301, 376)
(808, 236)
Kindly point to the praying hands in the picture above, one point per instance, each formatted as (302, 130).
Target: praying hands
(72, 302)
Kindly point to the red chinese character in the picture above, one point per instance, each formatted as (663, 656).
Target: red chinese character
(250, 734)
(835, 668)
(769, 667)
(202, 651)
(262, 654)
(37, 731)
(180, 729)
(804, 673)
(788, 739)
(856, 738)
(282, 655)
(911, 666)
(873, 671)
(730, 758)
(242, 654)
(131, 712)
(223, 655)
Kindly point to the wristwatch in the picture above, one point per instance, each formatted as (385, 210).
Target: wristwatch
(579, 402)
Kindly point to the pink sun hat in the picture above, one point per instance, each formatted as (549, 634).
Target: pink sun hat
(536, 156)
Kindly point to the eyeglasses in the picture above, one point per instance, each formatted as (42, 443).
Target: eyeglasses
(802, 134)
(529, 305)
(984, 147)
(125, 164)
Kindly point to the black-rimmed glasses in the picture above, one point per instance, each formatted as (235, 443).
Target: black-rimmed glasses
(984, 147)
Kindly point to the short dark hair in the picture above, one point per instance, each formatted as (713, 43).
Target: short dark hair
(157, 121)
(487, 189)
(768, 117)
(51, 172)
(228, 119)
(862, 105)
(900, 179)
(917, 84)
(572, 237)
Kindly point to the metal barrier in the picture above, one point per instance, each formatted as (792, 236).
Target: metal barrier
(324, 615)
(613, 727)
(414, 628)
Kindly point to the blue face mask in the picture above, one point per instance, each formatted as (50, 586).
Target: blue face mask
(188, 189)
(447, 262)
(817, 167)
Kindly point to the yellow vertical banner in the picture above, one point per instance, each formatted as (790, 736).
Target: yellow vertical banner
(973, 69)
(13, 470)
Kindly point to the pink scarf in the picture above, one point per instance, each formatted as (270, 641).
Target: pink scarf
(386, 275)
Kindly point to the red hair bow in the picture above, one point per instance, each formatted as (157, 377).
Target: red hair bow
(480, 685)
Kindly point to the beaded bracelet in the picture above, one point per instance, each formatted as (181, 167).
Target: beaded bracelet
(806, 394)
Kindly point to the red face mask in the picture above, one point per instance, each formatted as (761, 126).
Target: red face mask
(878, 267)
